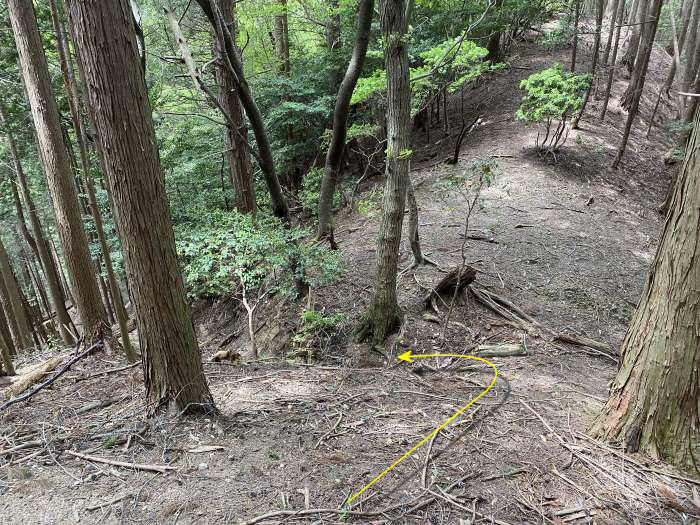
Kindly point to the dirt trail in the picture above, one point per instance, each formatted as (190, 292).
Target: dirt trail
(572, 242)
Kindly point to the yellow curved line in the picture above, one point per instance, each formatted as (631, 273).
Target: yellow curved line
(438, 429)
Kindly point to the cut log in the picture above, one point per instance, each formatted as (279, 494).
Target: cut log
(461, 277)
(504, 350)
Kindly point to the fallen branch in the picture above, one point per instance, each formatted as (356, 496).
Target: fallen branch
(505, 350)
(49, 381)
(580, 340)
(459, 277)
(135, 466)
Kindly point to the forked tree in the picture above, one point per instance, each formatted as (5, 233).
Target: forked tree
(105, 37)
(653, 405)
(384, 315)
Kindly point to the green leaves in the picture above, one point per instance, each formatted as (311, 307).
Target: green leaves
(551, 94)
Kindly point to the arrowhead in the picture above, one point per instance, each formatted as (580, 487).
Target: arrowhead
(406, 357)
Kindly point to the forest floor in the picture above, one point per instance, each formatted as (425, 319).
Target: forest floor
(570, 242)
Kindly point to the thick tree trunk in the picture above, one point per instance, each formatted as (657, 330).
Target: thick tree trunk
(40, 246)
(104, 34)
(237, 154)
(594, 63)
(616, 47)
(334, 155)
(645, 48)
(653, 405)
(13, 302)
(493, 46)
(55, 160)
(257, 123)
(384, 314)
(70, 85)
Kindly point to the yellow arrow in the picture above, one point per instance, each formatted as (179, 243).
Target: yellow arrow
(408, 357)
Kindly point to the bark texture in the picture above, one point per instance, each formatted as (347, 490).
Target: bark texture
(594, 62)
(237, 154)
(23, 333)
(56, 165)
(334, 155)
(384, 315)
(654, 405)
(118, 101)
(69, 83)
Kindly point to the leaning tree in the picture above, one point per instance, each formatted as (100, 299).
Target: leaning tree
(654, 403)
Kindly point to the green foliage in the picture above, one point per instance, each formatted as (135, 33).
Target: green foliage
(310, 192)
(370, 205)
(552, 97)
(562, 35)
(230, 250)
(315, 331)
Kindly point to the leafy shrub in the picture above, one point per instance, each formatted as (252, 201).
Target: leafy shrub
(315, 331)
(230, 251)
(552, 97)
(562, 35)
(310, 192)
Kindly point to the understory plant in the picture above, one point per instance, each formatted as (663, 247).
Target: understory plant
(553, 96)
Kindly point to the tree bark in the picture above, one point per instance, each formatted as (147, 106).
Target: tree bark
(691, 48)
(334, 156)
(104, 35)
(70, 85)
(23, 333)
(55, 160)
(637, 16)
(594, 62)
(6, 345)
(613, 6)
(646, 45)
(616, 47)
(653, 405)
(574, 51)
(48, 265)
(281, 32)
(233, 63)
(384, 314)
(237, 154)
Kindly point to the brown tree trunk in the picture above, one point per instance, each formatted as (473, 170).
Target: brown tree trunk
(645, 48)
(494, 44)
(574, 51)
(691, 48)
(637, 16)
(334, 156)
(55, 160)
(613, 6)
(257, 123)
(653, 405)
(104, 35)
(13, 302)
(384, 314)
(6, 346)
(281, 32)
(594, 63)
(334, 43)
(40, 246)
(70, 85)
(616, 47)
(237, 154)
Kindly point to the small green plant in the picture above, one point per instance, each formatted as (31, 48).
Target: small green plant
(314, 332)
(310, 192)
(552, 97)
(562, 35)
(369, 206)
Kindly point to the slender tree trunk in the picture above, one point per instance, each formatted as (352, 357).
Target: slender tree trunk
(53, 279)
(384, 314)
(6, 346)
(281, 33)
(616, 47)
(574, 51)
(233, 63)
(494, 44)
(104, 34)
(647, 42)
(334, 155)
(237, 154)
(678, 44)
(653, 405)
(636, 19)
(691, 47)
(594, 63)
(334, 43)
(70, 85)
(613, 6)
(57, 168)
(23, 333)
